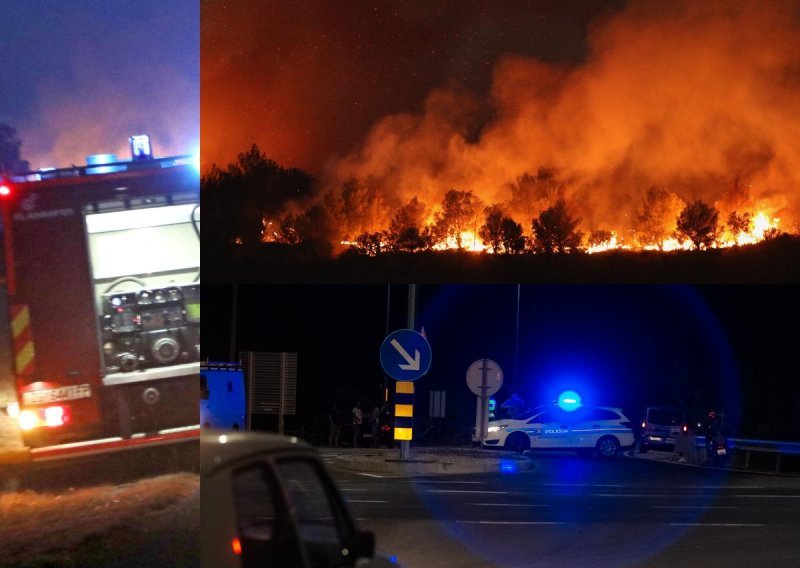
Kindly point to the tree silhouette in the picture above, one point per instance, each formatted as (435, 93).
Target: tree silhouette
(413, 240)
(555, 230)
(655, 218)
(370, 244)
(460, 211)
(491, 232)
(739, 223)
(511, 236)
(10, 144)
(698, 223)
(237, 200)
(409, 216)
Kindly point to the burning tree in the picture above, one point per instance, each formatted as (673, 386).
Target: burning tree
(698, 223)
(655, 219)
(459, 214)
(739, 223)
(555, 230)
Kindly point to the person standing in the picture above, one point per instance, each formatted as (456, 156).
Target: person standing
(375, 425)
(335, 425)
(358, 418)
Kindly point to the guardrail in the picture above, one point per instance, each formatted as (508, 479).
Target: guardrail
(693, 449)
(779, 449)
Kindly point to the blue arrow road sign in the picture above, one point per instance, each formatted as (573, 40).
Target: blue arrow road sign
(405, 355)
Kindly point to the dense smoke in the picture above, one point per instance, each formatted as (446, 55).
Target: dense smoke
(700, 99)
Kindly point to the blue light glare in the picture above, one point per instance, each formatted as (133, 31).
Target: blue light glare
(509, 466)
(569, 400)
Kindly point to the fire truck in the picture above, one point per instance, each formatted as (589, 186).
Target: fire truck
(102, 267)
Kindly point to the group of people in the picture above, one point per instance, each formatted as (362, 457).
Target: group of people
(336, 422)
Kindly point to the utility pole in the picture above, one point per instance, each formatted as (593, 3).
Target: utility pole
(412, 306)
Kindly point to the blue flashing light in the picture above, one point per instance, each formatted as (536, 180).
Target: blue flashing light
(569, 400)
(393, 559)
(509, 466)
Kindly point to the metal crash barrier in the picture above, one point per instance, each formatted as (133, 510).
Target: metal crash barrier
(780, 450)
(691, 448)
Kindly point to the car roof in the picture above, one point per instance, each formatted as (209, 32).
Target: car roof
(220, 448)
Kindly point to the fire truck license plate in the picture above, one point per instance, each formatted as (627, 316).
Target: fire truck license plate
(54, 395)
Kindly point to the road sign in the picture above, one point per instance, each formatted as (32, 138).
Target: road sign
(484, 377)
(405, 355)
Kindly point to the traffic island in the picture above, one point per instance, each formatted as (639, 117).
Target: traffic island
(433, 460)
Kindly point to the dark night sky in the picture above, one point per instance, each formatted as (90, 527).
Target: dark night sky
(306, 80)
(619, 346)
(79, 77)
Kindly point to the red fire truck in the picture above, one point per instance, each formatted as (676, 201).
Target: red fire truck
(103, 280)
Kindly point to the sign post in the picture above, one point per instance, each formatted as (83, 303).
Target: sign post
(484, 378)
(405, 356)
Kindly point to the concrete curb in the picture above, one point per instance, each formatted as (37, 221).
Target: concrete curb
(433, 461)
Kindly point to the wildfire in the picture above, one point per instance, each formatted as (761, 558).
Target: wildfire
(761, 226)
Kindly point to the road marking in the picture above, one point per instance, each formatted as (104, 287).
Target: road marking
(772, 496)
(466, 491)
(715, 524)
(720, 487)
(352, 489)
(507, 505)
(581, 485)
(369, 474)
(690, 507)
(366, 501)
(663, 495)
(511, 522)
(436, 481)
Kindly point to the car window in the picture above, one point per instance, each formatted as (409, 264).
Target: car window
(313, 511)
(663, 416)
(597, 414)
(549, 416)
(255, 505)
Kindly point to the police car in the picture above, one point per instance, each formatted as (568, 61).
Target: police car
(586, 429)
(267, 500)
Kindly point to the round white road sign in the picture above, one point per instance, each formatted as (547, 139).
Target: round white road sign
(484, 377)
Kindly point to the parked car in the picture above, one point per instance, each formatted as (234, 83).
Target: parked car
(585, 430)
(660, 427)
(267, 500)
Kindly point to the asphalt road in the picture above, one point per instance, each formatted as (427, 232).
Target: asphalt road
(571, 511)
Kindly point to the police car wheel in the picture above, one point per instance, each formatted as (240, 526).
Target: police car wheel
(607, 446)
(518, 442)
(643, 448)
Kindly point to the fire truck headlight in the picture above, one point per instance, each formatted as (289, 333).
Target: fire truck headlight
(28, 419)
